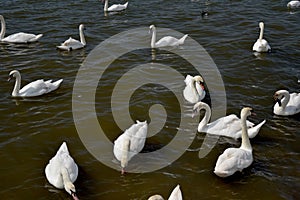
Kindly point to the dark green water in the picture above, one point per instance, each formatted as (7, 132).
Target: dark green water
(32, 129)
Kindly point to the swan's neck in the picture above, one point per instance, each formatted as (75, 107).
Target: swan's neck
(197, 88)
(17, 86)
(261, 34)
(82, 38)
(153, 39)
(206, 117)
(125, 152)
(245, 138)
(65, 176)
(285, 99)
(106, 5)
(3, 28)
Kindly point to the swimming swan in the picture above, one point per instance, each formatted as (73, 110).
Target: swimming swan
(175, 195)
(114, 7)
(17, 37)
(229, 126)
(194, 90)
(261, 45)
(130, 143)
(286, 103)
(236, 159)
(72, 44)
(165, 41)
(62, 171)
(293, 4)
(33, 89)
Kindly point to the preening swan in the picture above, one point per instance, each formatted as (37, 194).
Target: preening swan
(261, 45)
(229, 126)
(175, 195)
(286, 103)
(72, 44)
(194, 90)
(17, 37)
(293, 4)
(33, 89)
(165, 41)
(130, 143)
(236, 159)
(62, 171)
(114, 7)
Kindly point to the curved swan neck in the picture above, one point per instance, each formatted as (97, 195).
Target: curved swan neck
(17, 86)
(245, 138)
(81, 35)
(261, 34)
(206, 117)
(106, 5)
(286, 99)
(3, 28)
(65, 175)
(153, 39)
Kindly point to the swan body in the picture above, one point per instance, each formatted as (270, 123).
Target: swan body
(287, 104)
(130, 143)
(62, 171)
(229, 126)
(194, 90)
(33, 89)
(17, 37)
(114, 7)
(261, 45)
(293, 4)
(236, 159)
(72, 44)
(165, 41)
(175, 195)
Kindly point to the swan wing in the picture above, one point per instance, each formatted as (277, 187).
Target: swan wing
(261, 46)
(176, 194)
(39, 87)
(117, 7)
(138, 136)
(21, 38)
(71, 44)
(167, 41)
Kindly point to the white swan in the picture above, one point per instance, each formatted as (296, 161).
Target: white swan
(72, 44)
(293, 4)
(261, 45)
(175, 195)
(33, 89)
(287, 104)
(130, 143)
(17, 37)
(229, 126)
(114, 7)
(194, 90)
(165, 41)
(62, 171)
(236, 159)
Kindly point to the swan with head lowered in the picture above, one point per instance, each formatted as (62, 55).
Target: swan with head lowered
(165, 41)
(17, 37)
(293, 4)
(175, 195)
(286, 103)
(130, 143)
(236, 159)
(261, 45)
(62, 171)
(33, 89)
(72, 44)
(229, 126)
(194, 90)
(114, 7)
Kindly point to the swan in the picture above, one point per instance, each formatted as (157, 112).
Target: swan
(236, 159)
(33, 89)
(194, 89)
(293, 4)
(72, 44)
(175, 195)
(228, 126)
(62, 171)
(286, 103)
(261, 45)
(130, 143)
(165, 41)
(114, 7)
(17, 37)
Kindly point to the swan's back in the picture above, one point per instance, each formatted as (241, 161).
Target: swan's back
(118, 7)
(39, 87)
(22, 38)
(62, 159)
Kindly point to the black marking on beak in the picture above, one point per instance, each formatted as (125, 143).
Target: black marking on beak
(10, 77)
(279, 102)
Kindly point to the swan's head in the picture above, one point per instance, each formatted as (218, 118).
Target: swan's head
(81, 27)
(70, 188)
(246, 111)
(156, 197)
(13, 74)
(199, 106)
(199, 80)
(279, 95)
(261, 25)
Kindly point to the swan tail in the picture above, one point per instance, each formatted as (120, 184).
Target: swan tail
(56, 84)
(125, 5)
(38, 36)
(254, 131)
(181, 40)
